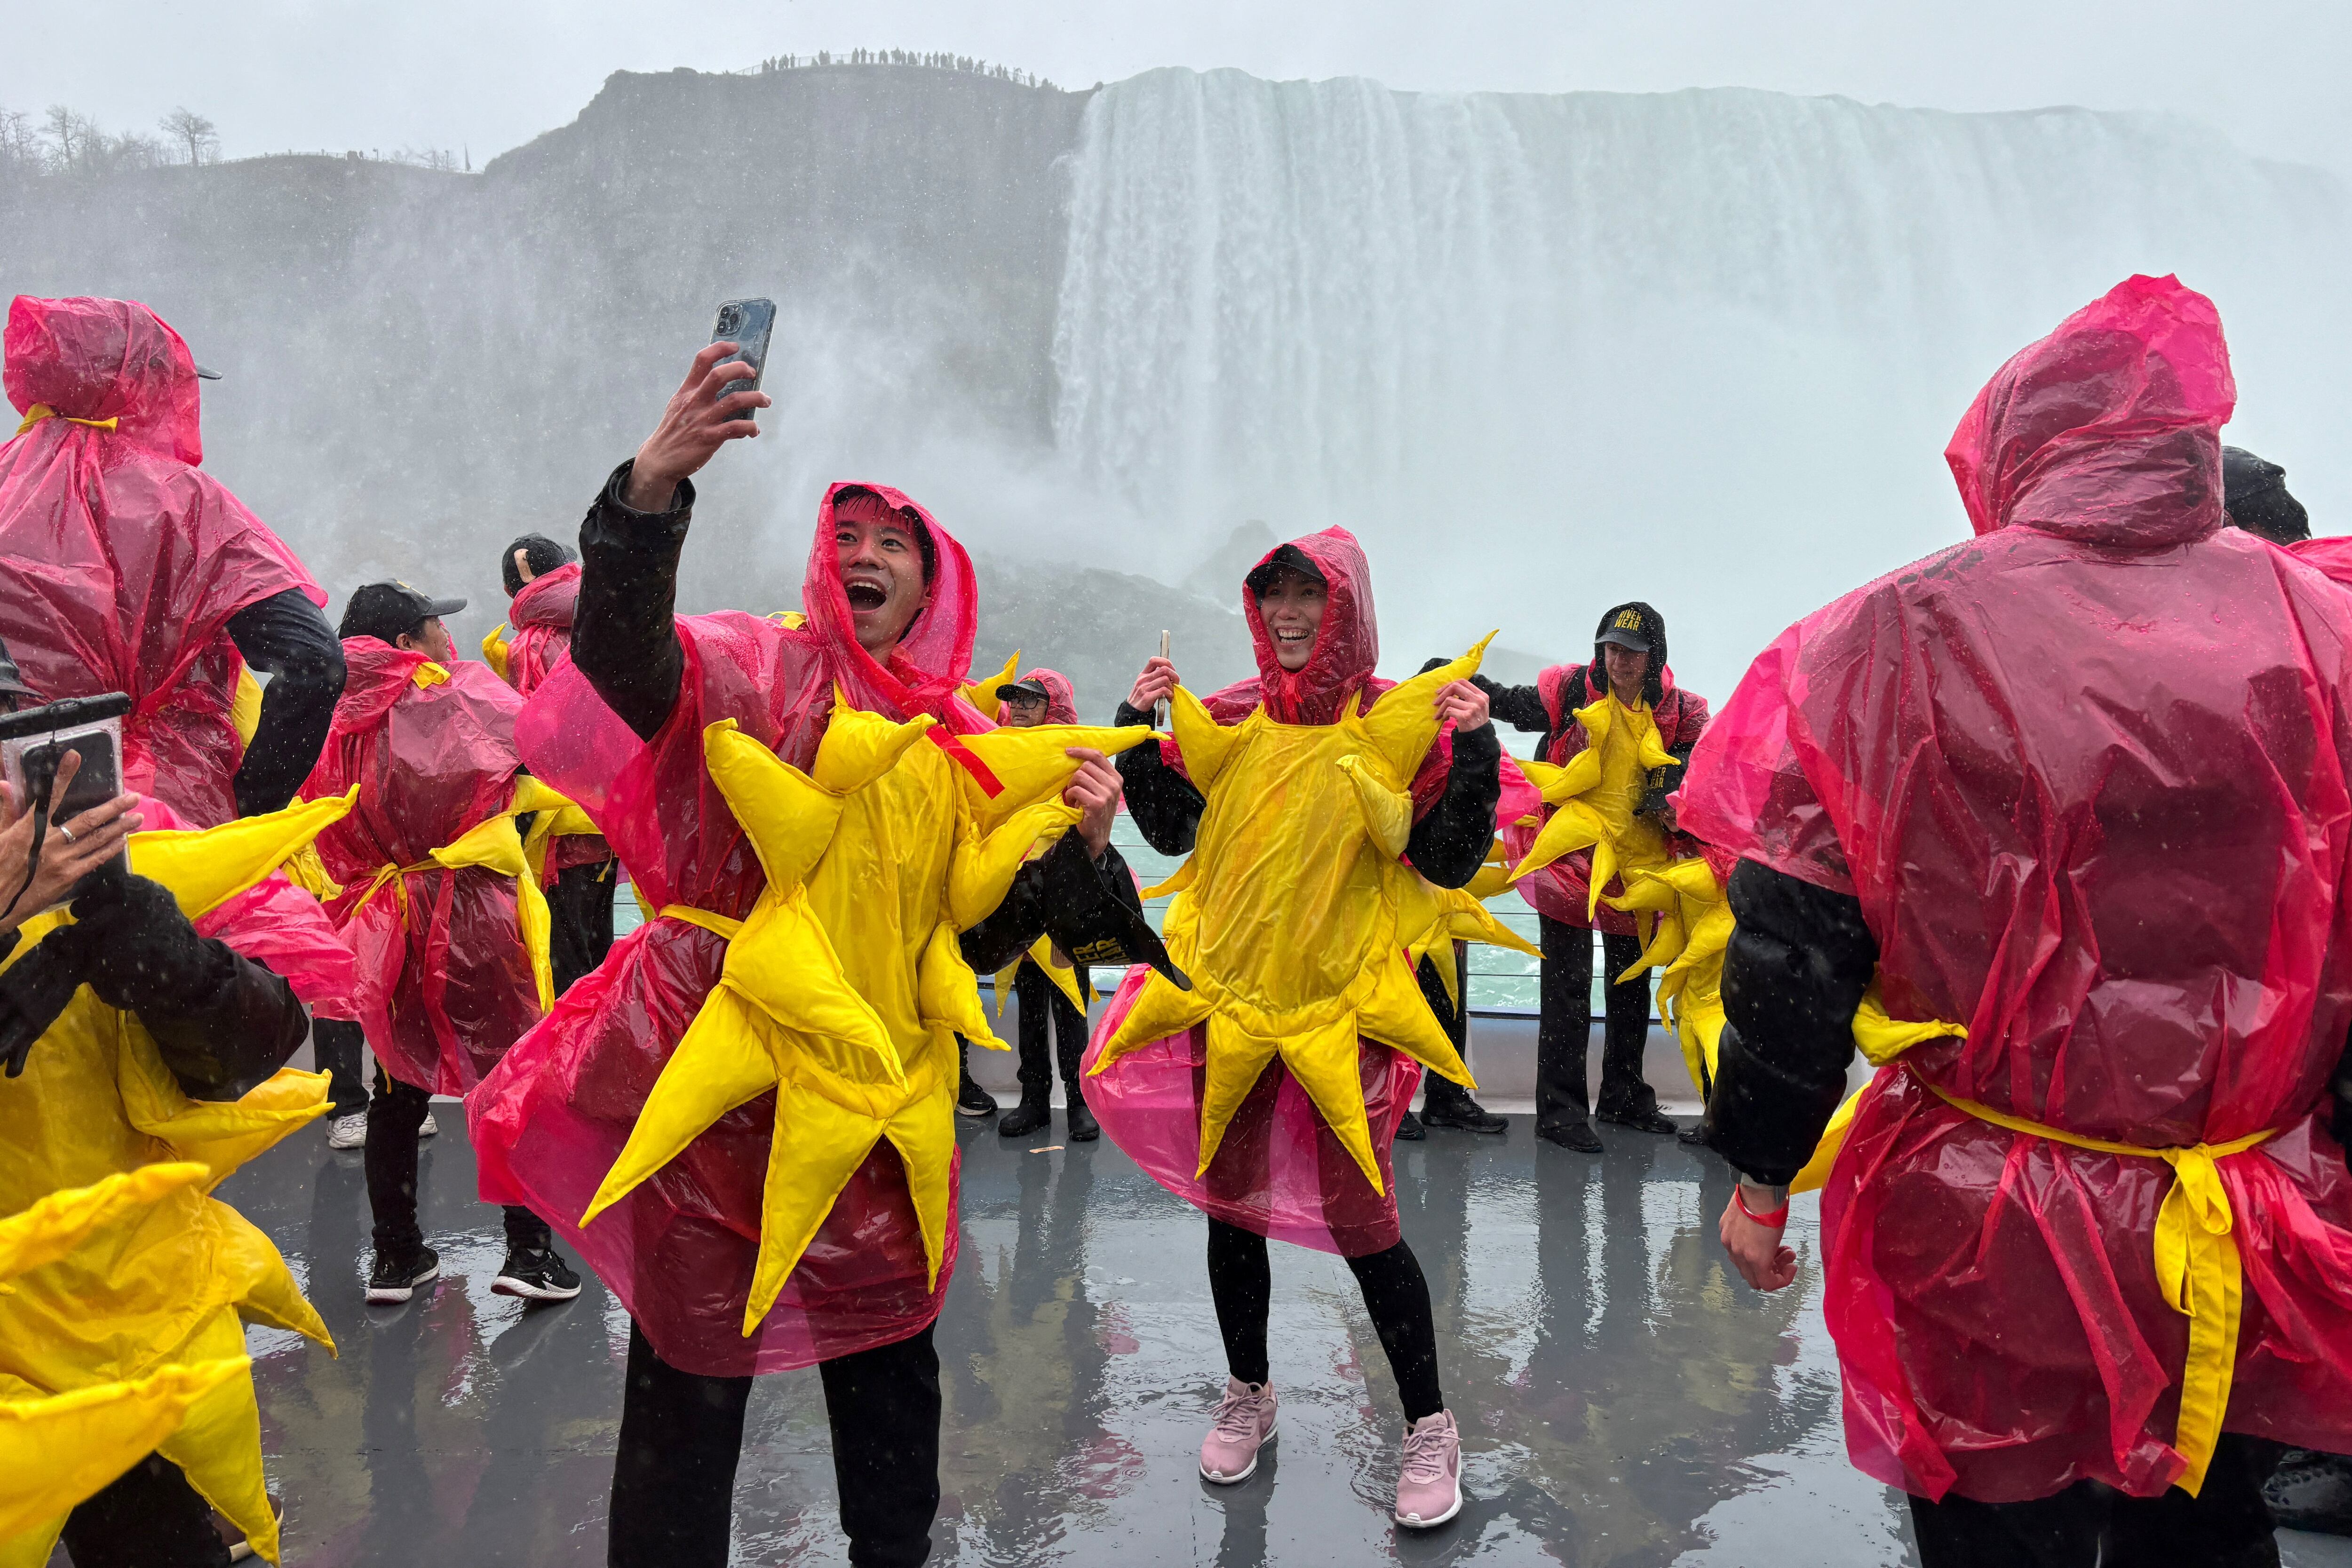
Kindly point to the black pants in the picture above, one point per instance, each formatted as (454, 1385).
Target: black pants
(336, 1047)
(393, 1115)
(580, 908)
(1041, 999)
(1564, 1034)
(2225, 1525)
(1241, 1282)
(681, 1434)
(150, 1516)
(1444, 1091)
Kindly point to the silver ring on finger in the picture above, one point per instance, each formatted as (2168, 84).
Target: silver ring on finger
(68, 832)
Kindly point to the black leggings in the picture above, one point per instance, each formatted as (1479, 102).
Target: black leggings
(681, 1434)
(395, 1113)
(148, 1518)
(2226, 1525)
(1241, 1282)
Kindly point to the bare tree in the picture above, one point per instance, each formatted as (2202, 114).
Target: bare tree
(20, 148)
(70, 135)
(191, 130)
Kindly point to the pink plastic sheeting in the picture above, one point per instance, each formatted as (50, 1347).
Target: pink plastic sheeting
(2087, 776)
(123, 560)
(444, 983)
(540, 614)
(552, 1119)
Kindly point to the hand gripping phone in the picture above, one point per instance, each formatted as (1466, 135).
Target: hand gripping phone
(745, 324)
(34, 740)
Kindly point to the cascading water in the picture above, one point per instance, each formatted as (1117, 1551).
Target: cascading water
(1704, 348)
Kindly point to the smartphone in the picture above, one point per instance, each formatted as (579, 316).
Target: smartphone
(745, 324)
(32, 741)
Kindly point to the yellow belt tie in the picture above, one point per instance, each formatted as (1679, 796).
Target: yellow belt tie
(2196, 1267)
(718, 925)
(40, 411)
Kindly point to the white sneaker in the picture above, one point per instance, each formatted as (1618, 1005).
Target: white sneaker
(426, 1128)
(347, 1132)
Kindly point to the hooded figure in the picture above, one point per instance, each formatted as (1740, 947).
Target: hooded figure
(2254, 497)
(744, 1116)
(1330, 825)
(2060, 819)
(130, 569)
(443, 911)
(1569, 908)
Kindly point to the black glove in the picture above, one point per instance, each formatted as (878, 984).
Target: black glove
(35, 989)
(142, 952)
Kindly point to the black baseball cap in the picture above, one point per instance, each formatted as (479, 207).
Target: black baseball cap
(389, 611)
(1026, 686)
(205, 374)
(1625, 629)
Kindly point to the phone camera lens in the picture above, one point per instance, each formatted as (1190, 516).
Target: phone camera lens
(730, 319)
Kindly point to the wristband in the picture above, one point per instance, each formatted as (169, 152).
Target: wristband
(1776, 1220)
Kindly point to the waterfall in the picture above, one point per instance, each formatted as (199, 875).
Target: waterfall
(1545, 352)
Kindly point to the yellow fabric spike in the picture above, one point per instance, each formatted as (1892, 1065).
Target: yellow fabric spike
(790, 620)
(1066, 977)
(59, 1450)
(218, 1442)
(1403, 724)
(1881, 1038)
(1387, 812)
(245, 706)
(987, 695)
(1176, 883)
(1033, 764)
(1574, 826)
(494, 650)
(553, 815)
(58, 1223)
(844, 988)
(429, 674)
(205, 867)
(981, 872)
(1290, 916)
(1205, 743)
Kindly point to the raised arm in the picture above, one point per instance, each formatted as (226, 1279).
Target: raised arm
(285, 636)
(1521, 707)
(625, 633)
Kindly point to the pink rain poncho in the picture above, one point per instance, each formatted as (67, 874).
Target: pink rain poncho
(542, 616)
(444, 980)
(123, 560)
(2086, 775)
(1279, 1170)
(549, 1123)
(1061, 697)
(1559, 890)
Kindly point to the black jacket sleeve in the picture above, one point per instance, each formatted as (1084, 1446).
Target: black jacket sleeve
(1166, 807)
(1451, 840)
(625, 630)
(222, 1022)
(1800, 960)
(1521, 707)
(286, 636)
(1061, 894)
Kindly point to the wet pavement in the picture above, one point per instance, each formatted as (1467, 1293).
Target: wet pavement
(1623, 1398)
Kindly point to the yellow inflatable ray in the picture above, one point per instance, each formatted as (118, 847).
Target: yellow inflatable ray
(146, 1300)
(1066, 977)
(1294, 923)
(1594, 795)
(987, 695)
(1692, 933)
(844, 989)
(494, 650)
(1430, 920)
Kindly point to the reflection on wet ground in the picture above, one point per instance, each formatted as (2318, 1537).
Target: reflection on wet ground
(1623, 1399)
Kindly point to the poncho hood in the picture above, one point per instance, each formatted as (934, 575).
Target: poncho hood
(377, 673)
(1061, 697)
(106, 359)
(547, 601)
(2108, 430)
(1347, 646)
(929, 665)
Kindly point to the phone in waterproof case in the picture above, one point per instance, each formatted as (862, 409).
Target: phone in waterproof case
(747, 324)
(33, 740)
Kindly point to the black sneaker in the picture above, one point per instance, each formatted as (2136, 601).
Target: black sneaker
(1650, 1121)
(974, 1100)
(1461, 1113)
(394, 1280)
(1084, 1128)
(540, 1275)
(2311, 1490)
(1576, 1135)
(1029, 1116)
(1410, 1129)
(1693, 1136)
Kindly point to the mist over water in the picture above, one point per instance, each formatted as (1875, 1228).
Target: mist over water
(1547, 352)
(1544, 353)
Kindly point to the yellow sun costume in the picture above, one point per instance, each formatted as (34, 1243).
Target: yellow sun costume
(844, 987)
(1294, 916)
(151, 1291)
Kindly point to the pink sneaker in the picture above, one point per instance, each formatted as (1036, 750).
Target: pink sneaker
(1429, 1492)
(1244, 1422)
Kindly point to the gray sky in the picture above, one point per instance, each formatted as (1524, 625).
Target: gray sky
(2271, 74)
